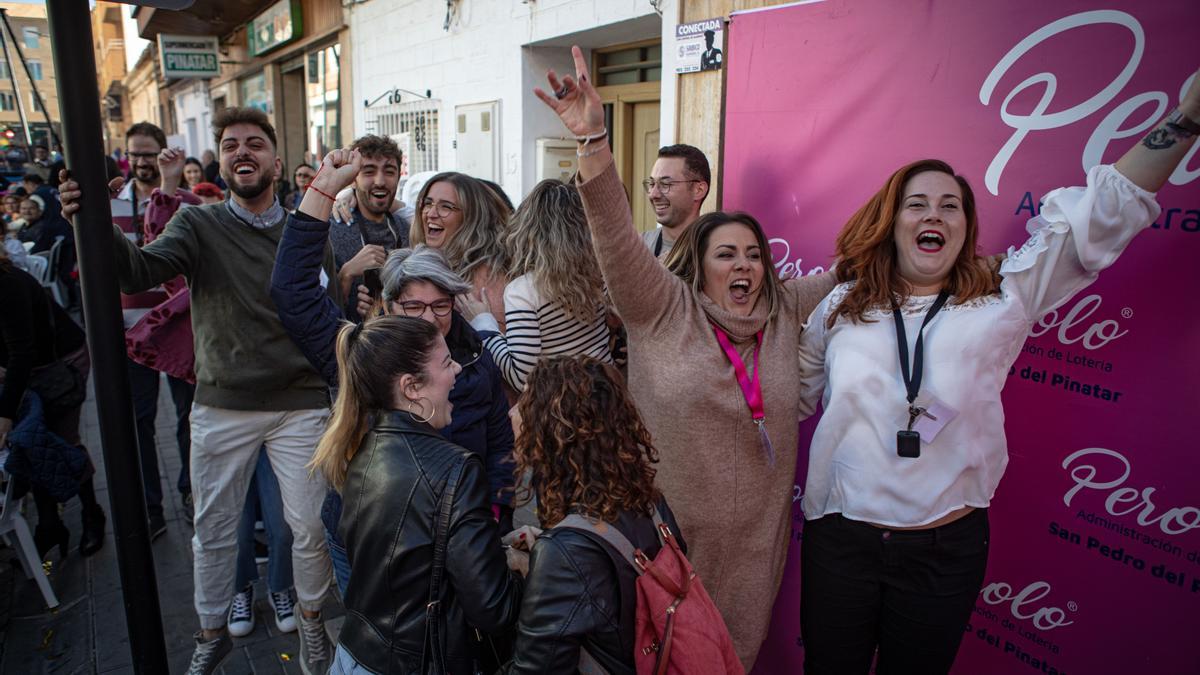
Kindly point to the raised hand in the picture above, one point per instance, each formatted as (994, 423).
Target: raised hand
(1149, 163)
(574, 99)
(338, 169)
(170, 164)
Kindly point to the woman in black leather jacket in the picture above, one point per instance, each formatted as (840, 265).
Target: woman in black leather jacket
(383, 451)
(580, 436)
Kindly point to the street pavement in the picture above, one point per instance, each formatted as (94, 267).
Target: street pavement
(87, 632)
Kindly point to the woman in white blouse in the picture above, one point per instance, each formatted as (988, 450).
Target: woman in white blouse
(908, 356)
(554, 304)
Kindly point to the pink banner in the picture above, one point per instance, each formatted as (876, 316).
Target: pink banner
(1095, 558)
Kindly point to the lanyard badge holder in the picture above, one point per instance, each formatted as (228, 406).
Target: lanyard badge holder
(751, 387)
(908, 441)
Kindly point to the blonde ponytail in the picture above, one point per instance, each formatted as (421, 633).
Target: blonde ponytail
(348, 424)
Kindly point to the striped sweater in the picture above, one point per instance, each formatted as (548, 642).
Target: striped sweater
(536, 327)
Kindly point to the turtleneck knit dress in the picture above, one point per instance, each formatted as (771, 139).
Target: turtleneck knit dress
(733, 507)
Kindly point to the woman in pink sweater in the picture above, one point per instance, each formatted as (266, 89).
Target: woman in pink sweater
(713, 368)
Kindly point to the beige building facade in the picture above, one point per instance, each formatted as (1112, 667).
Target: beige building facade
(33, 41)
(108, 41)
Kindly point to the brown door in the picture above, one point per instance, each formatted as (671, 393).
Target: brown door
(294, 135)
(644, 137)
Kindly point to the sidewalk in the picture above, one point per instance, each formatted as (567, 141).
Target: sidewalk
(87, 632)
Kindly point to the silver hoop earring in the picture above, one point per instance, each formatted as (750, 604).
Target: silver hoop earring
(426, 420)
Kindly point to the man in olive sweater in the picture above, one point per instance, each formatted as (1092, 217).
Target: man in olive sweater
(253, 385)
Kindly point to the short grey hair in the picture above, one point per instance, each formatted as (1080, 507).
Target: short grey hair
(406, 265)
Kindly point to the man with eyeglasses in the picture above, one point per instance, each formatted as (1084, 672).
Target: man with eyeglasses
(676, 188)
(143, 143)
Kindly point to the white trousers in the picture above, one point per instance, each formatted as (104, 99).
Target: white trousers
(225, 446)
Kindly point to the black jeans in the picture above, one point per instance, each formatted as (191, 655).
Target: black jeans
(143, 382)
(907, 593)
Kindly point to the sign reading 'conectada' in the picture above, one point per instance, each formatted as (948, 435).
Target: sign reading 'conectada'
(188, 56)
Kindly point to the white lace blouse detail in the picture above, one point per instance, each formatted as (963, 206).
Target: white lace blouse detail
(854, 368)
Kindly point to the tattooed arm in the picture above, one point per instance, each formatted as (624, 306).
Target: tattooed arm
(1149, 163)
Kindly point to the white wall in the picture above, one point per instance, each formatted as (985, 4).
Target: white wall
(495, 50)
(192, 104)
(670, 81)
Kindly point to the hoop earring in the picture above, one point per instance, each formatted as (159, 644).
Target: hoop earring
(426, 420)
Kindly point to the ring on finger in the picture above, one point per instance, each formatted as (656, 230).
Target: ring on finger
(562, 92)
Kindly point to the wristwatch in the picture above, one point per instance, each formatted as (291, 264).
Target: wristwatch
(1179, 120)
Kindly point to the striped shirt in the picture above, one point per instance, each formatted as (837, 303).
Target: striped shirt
(535, 328)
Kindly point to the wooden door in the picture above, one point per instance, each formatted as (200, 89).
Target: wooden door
(644, 139)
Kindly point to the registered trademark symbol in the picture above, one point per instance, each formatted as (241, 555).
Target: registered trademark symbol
(1127, 313)
(1072, 606)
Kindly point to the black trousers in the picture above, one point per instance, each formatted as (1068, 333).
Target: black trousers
(906, 593)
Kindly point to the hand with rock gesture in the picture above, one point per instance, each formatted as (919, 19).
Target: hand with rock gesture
(577, 104)
(338, 170)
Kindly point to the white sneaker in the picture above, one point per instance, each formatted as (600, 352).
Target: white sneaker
(316, 653)
(241, 613)
(208, 655)
(285, 611)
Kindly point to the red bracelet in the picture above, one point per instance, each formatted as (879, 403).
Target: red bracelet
(312, 185)
(317, 190)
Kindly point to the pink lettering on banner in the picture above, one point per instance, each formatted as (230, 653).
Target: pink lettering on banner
(1095, 520)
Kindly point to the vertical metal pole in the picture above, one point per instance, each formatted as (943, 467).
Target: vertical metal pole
(28, 73)
(12, 76)
(75, 64)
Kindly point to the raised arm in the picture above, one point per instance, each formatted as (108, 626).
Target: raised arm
(1082, 231)
(310, 317)
(1149, 163)
(165, 201)
(642, 290)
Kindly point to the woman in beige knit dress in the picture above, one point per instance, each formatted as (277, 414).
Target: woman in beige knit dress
(713, 368)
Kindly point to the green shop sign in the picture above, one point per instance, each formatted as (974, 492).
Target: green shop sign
(188, 56)
(277, 26)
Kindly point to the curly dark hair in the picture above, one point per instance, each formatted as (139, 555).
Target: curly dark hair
(583, 442)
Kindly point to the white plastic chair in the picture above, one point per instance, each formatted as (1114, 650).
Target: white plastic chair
(13, 523)
(51, 280)
(38, 267)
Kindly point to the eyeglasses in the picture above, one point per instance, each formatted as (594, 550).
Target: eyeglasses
(142, 155)
(415, 308)
(443, 209)
(664, 185)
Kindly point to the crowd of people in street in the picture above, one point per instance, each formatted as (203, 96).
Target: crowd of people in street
(382, 384)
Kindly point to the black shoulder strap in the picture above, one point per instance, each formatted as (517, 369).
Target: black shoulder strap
(658, 244)
(433, 610)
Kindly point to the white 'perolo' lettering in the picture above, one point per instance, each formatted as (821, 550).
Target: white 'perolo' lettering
(1042, 618)
(1173, 521)
(1038, 120)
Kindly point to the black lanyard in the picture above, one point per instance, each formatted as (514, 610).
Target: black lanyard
(913, 382)
(658, 244)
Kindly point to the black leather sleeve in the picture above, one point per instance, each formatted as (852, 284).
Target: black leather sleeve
(489, 593)
(558, 611)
